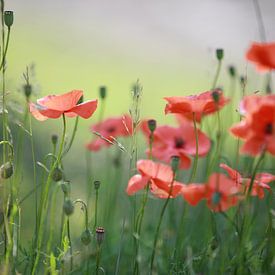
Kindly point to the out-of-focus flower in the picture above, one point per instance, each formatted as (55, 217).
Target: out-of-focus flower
(177, 141)
(199, 105)
(193, 193)
(158, 176)
(257, 129)
(53, 106)
(262, 55)
(110, 129)
(260, 182)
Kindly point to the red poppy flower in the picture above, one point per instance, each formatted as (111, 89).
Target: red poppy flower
(222, 192)
(158, 176)
(177, 141)
(193, 193)
(53, 106)
(258, 127)
(200, 105)
(262, 55)
(259, 184)
(110, 129)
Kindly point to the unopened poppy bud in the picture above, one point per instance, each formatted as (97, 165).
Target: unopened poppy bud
(102, 92)
(8, 18)
(65, 186)
(68, 207)
(100, 235)
(216, 96)
(216, 198)
(175, 161)
(219, 54)
(152, 124)
(96, 184)
(27, 90)
(232, 71)
(86, 237)
(54, 139)
(57, 174)
(6, 170)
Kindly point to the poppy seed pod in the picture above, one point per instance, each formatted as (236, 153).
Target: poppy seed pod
(68, 207)
(96, 184)
(57, 174)
(6, 170)
(27, 90)
(175, 160)
(219, 54)
(86, 237)
(8, 18)
(100, 235)
(216, 96)
(216, 198)
(232, 71)
(54, 139)
(152, 124)
(102, 92)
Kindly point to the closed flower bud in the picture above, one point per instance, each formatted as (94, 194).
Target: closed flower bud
(102, 92)
(96, 184)
(100, 235)
(8, 18)
(86, 237)
(216, 96)
(219, 54)
(57, 174)
(232, 71)
(68, 207)
(27, 90)
(175, 161)
(152, 124)
(54, 139)
(216, 198)
(6, 170)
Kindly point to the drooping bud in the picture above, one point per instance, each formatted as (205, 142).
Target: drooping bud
(27, 90)
(54, 139)
(57, 174)
(175, 161)
(216, 197)
(6, 170)
(219, 54)
(86, 237)
(232, 71)
(152, 125)
(102, 92)
(68, 207)
(216, 96)
(100, 235)
(8, 18)
(96, 184)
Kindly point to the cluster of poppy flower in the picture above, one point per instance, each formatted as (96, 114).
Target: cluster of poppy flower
(257, 129)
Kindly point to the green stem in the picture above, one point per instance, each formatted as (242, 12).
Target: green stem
(96, 205)
(70, 243)
(217, 74)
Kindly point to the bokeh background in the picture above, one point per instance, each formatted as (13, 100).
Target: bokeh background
(168, 45)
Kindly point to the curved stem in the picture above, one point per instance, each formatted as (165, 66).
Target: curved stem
(5, 51)
(86, 210)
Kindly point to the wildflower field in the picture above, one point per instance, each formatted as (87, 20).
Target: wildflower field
(187, 189)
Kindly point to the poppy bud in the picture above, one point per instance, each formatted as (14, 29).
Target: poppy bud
(232, 71)
(27, 90)
(219, 54)
(102, 92)
(152, 124)
(8, 18)
(57, 174)
(100, 235)
(6, 170)
(86, 237)
(216, 198)
(65, 186)
(97, 184)
(175, 161)
(54, 139)
(216, 96)
(68, 207)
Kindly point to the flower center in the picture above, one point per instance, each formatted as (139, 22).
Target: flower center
(269, 128)
(111, 129)
(179, 142)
